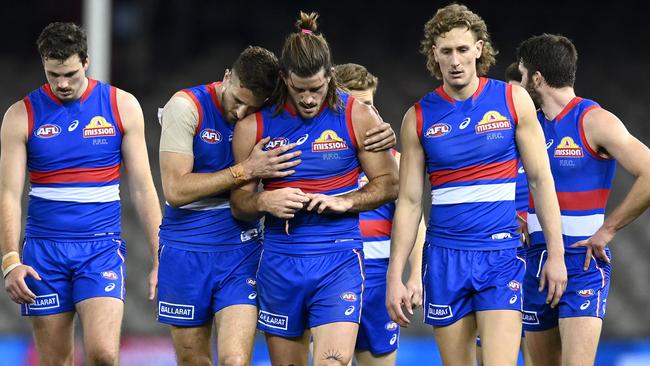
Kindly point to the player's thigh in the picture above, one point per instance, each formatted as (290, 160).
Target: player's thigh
(365, 358)
(457, 341)
(53, 336)
(288, 350)
(192, 344)
(500, 332)
(545, 347)
(235, 326)
(334, 343)
(581, 336)
(101, 320)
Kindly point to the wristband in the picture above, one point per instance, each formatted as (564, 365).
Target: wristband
(10, 261)
(237, 172)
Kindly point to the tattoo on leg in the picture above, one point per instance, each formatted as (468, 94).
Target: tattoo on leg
(333, 355)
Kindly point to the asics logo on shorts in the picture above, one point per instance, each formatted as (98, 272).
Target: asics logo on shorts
(252, 295)
(393, 339)
(585, 305)
(513, 299)
(109, 287)
(349, 310)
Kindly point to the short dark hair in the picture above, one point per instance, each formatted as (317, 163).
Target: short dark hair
(257, 69)
(553, 55)
(513, 73)
(60, 41)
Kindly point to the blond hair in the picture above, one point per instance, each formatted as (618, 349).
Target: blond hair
(355, 77)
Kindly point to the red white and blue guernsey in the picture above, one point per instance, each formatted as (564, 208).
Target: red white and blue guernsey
(208, 258)
(312, 273)
(582, 181)
(73, 216)
(582, 178)
(470, 260)
(208, 224)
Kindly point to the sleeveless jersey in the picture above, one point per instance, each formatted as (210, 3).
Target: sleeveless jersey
(376, 227)
(207, 224)
(471, 159)
(521, 195)
(73, 158)
(582, 178)
(329, 166)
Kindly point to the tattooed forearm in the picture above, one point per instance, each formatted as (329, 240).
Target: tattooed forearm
(332, 355)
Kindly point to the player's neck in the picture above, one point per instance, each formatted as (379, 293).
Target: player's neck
(554, 100)
(462, 92)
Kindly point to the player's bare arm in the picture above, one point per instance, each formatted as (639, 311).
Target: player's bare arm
(181, 186)
(138, 172)
(380, 138)
(248, 204)
(530, 141)
(408, 214)
(607, 135)
(379, 167)
(13, 162)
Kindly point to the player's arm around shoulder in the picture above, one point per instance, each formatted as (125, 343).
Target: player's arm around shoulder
(379, 166)
(244, 199)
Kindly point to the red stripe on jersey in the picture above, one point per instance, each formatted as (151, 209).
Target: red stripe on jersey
(503, 169)
(418, 119)
(481, 85)
(115, 109)
(318, 185)
(348, 122)
(443, 94)
(77, 175)
(30, 116)
(511, 104)
(568, 108)
(374, 228)
(260, 126)
(199, 110)
(92, 83)
(212, 90)
(586, 200)
(583, 137)
(48, 90)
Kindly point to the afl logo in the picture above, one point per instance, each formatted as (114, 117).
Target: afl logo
(391, 326)
(514, 285)
(349, 296)
(211, 136)
(276, 143)
(586, 293)
(47, 131)
(437, 130)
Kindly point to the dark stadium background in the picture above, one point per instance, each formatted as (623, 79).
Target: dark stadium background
(159, 47)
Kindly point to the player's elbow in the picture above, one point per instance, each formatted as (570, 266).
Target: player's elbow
(392, 186)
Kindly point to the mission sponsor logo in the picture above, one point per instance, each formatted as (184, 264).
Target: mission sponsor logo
(44, 302)
(276, 143)
(271, 320)
(175, 311)
(438, 130)
(438, 312)
(211, 136)
(567, 148)
(328, 141)
(47, 131)
(492, 121)
(98, 127)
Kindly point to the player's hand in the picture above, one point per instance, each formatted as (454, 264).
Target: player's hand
(380, 138)
(414, 290)
(16, 286)
(284, 202)
(322, 202)
(273, 163)
(397, 298)
(554, 274)
(153, 281)
(596, 245)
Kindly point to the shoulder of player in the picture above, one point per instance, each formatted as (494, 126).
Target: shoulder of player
(247, 126)
(601, 121)
(127, 103)
(15, 121)
(16, 111)
(364, 116)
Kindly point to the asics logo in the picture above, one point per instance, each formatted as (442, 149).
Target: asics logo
(73, 125)
(465, 123)
(549, 144)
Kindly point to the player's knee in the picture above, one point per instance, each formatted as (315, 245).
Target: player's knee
(338, 360)
(189, 358)
(233, 360)
(102, 357)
